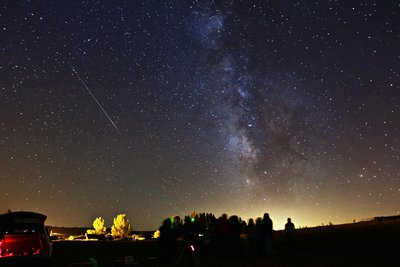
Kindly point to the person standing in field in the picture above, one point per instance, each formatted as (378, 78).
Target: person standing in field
(167, 243)
(267, 227)
(251, 232)
(289, 233)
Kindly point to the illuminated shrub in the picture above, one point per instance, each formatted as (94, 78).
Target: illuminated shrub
(121, 227)
(156, 234)
(99, 228)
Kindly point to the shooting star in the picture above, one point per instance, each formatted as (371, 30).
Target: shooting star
(92, 95)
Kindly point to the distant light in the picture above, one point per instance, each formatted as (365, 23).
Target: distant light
(192, 247)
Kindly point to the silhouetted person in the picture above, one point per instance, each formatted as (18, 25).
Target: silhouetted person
(260, 237)
(212, 235)
(167, 242)
(244, 227)
(234, 235)
(267, 227)
(251, 233)
(188, 254)
(223, 231)
(289, 233)
(177, 227)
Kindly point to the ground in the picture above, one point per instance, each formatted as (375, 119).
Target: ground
(361, 244)
(350, 245)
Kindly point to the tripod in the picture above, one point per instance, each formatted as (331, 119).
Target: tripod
(191, 250)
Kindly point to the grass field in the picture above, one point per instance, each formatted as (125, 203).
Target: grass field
(376, 244)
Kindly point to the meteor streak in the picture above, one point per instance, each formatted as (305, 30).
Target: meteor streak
(92, 95)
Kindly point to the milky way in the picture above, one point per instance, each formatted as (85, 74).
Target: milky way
(268, 130)
(241, 107)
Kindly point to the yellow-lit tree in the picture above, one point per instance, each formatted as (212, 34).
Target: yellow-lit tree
(99, 227)
(156, 234)
(121, 227)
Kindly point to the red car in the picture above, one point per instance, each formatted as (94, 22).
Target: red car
(24, 239)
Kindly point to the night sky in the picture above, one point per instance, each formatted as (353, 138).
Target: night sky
(159, 108)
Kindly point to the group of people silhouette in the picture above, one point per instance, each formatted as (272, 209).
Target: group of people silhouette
(224, 237)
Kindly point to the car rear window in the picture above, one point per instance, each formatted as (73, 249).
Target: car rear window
(21, 228)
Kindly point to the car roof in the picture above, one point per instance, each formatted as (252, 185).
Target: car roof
(22, 216)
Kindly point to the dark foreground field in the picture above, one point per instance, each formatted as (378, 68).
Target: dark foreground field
(351, 245)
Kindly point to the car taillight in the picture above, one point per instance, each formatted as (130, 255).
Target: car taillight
(1, 247)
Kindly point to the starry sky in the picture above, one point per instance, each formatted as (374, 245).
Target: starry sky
(159, 108)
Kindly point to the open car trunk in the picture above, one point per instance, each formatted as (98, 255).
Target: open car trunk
(24, 244)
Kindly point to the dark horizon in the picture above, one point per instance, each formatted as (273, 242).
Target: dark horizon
(374, 219)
